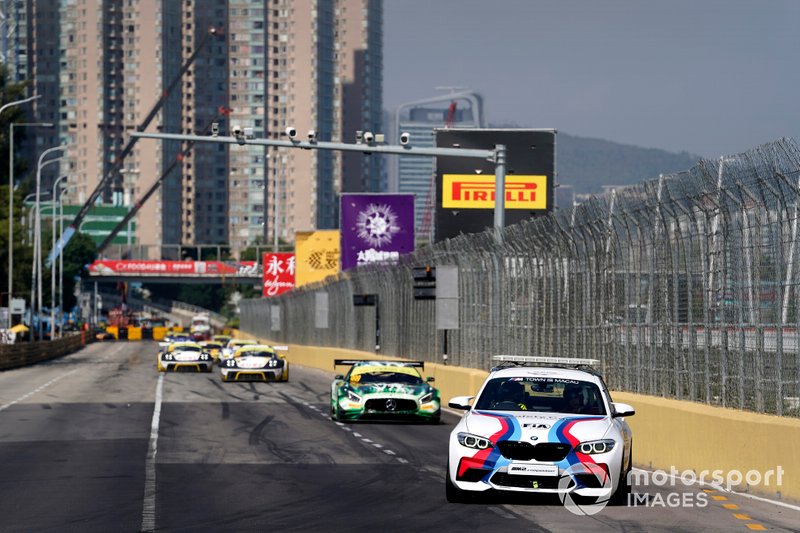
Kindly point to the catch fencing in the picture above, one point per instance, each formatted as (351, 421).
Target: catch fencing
(685, 287)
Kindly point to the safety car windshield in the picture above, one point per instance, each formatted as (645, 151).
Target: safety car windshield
(541, 394)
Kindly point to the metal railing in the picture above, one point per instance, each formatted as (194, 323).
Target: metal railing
(684, 287)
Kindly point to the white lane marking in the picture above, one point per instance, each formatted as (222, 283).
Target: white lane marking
(149, 506)
(723, 489)
(39, 389)
(377, 445)
(389, 452)
(402, 460)
(503, 513)
(357, 434)
(366, 440)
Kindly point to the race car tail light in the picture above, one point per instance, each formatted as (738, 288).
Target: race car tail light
(596, 446)
(473, 441)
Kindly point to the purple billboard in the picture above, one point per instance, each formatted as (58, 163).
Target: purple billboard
(376, 228)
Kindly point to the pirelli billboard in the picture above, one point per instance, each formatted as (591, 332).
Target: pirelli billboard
(465, 187)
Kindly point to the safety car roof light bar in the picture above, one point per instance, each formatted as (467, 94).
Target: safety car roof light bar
(529, 360)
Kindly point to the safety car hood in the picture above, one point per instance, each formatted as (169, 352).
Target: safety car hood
(391, 388)
(538, 427)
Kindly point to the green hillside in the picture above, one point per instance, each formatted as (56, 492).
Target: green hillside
(588, 164)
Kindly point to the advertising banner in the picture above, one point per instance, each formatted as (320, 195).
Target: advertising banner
(104, 267)
(317, 256)
(376, 228)
(465, 186)
(278, 273)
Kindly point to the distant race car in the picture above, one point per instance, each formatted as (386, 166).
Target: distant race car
(234, 344)
(213, 348)
(173, 337)
(550, 428)
(384, 390)
(255, 362)
(184, 356)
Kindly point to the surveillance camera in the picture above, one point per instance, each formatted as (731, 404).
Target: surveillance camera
(236, 129)
(249, 133)
(405, 138)
(291, 132)
(368, 137)
(215, 129)
(312, 136)
(359, 136)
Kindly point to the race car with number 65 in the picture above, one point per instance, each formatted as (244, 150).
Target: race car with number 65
(541, 425)
(384, 390)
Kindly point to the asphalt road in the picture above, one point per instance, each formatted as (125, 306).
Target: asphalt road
(97, 441)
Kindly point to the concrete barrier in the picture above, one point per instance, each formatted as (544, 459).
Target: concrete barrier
(670, 435)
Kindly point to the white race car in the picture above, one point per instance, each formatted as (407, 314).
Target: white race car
(255, 362)
(542, 429)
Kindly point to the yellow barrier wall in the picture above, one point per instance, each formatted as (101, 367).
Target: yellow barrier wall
(134, 334)
(666, 433)
(114, 330)
(159, 333)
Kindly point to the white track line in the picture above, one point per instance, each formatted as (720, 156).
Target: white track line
(149, 505)
(41, 388)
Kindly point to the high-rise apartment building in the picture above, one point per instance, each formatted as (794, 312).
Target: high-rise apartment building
(311, 64)
(416, 174)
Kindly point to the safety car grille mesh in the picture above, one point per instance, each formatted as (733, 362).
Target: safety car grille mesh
(503, 479)
(525, 451)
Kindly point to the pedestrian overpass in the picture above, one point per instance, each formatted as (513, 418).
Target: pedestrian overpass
(146, 271)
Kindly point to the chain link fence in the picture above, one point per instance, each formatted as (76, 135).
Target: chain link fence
(683, 287)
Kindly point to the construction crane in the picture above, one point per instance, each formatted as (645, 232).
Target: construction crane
(212, 34)
(222, 112)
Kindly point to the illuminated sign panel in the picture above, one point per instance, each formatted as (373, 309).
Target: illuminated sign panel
(470, 191)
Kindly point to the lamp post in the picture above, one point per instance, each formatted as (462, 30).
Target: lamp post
(53, 263)
(11, 201)
(61, 255)
(37, 237)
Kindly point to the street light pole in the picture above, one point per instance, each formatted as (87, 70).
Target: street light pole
(61, 255)
(37, 237)
(11, 201)
(53, 263)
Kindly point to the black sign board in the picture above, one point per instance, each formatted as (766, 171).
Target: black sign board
(364, 299)
(465, 197)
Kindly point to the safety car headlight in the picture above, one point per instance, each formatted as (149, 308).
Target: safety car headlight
(427, 398)
(204, 357)
(473, 441)
(353, 397)
(596, 446)
(272, 363)
(168, 356)
(230, 363)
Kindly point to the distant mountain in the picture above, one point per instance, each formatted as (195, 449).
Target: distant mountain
(588, 164)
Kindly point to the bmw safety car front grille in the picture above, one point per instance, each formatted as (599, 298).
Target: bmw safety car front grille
(390, 405)
(503, 479)
(525, 451)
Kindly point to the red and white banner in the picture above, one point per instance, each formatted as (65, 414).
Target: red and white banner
(104, 267)
(278, 273)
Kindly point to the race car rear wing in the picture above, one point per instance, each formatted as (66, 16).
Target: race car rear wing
(351, 362)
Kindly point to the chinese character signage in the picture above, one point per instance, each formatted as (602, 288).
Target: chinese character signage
(278, 273)
(376, 228)
(317, 255)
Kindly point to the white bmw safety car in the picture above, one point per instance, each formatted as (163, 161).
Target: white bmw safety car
(545, 429)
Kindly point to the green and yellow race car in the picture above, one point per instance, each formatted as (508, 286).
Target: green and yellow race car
(384, 390)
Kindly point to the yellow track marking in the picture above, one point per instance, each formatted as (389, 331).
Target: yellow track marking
(756, 527)
(742, 516)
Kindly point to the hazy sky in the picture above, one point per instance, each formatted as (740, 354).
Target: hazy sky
(713, 77)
